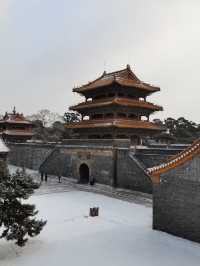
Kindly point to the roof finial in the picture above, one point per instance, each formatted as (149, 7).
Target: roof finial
(128, 67)
(14, 110)
(104, 66)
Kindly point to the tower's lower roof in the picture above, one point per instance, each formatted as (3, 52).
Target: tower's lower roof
(115, 123)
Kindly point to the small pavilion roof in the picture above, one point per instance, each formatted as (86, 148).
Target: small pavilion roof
(117, 123)
(124, 77)
(116, 101)
(15, 122)
(14, 118)
(17, 133)
(177, 160)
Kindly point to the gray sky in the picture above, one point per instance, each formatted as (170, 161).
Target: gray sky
(48, 46)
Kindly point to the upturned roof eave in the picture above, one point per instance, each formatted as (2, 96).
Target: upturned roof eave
(176, 161)
(15, 133)
(116, 102)
(140, 86)
(70, 126)
(118, 123)
(15, 122)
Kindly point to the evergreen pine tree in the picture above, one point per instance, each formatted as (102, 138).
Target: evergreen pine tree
(17, 218)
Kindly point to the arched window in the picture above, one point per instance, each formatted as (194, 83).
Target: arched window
(144, 118)
(86, 117)
(88, 99)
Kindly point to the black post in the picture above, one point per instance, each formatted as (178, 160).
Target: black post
(42, 176)
(115, 158)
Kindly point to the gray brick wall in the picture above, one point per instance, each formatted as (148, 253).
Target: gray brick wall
(176, 201)
(109, 161)
(29, 155)
(67, 160)
(130, 174)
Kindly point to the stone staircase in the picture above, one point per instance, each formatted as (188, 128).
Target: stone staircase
(139, 163)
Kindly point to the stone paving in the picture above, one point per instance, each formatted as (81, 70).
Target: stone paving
(67, 185)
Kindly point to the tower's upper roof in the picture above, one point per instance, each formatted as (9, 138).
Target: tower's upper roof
(124, 77)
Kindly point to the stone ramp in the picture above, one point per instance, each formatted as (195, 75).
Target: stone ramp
(68, 185)
(131, 173)
(54, 163)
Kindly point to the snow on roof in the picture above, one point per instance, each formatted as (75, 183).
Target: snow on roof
(3, 147)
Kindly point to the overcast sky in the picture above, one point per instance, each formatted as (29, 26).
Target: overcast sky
(49, 46)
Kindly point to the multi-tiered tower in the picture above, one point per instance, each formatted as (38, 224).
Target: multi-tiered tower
(115, 107)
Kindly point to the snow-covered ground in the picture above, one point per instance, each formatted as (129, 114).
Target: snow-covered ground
(122, 235)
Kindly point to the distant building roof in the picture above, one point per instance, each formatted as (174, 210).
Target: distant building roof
(14, 118)
(17, 133)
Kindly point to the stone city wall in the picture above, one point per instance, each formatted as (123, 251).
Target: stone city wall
(131, 172)
(29, 155)
(66, 161)
(110, 162)
(176, 199)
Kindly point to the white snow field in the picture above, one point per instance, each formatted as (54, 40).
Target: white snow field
(121, 236)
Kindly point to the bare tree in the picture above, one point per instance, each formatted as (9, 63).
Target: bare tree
(46, 117)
